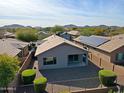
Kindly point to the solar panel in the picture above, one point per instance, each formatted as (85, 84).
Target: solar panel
(93, 40)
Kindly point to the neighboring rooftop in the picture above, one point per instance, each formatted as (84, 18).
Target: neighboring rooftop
(115, 43)
(74, 32)
(93, 41)
(8, 34)
(107, 44)
(53, 41)
(11, 46)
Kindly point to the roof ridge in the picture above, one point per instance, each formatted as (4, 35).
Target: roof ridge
(53, 43)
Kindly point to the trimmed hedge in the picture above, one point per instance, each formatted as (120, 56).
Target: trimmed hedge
(107, 77)
(28, 76)
(40, 84)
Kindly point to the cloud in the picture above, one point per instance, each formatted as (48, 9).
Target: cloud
(50, 12)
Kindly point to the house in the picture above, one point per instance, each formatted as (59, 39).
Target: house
(65, 35)
(9, 35)
(106, 49)
(74, 33)
(57, 52)
(14, 47)
(69, 35)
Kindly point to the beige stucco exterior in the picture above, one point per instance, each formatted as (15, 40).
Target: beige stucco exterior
(108, 57)
(113, 55)
(100, 54)
(61, 53)
(103, 55)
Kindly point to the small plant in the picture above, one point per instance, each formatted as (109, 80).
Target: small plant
(107, 77)
(28, 76)
(40, 84)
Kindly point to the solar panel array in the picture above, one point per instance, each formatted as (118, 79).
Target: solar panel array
(93, 40)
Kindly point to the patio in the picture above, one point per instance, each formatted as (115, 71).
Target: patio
(65, 74)
(76, 77)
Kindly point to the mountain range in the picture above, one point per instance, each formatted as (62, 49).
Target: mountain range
(12, 26)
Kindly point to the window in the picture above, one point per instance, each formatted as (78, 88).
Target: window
(73, 58)
(49, 60)
(120, 56)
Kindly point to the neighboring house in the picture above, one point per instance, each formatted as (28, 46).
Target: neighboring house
(9, 35)
(14, 47)
(57, 52)
(108, 49)
(74, 33)
(69, 35)
(65, 35)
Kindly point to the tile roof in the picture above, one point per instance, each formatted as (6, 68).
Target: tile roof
(115, 43)
(11, 46)
(112, 44)
(53, 41)
(9, 34)
(74, 32)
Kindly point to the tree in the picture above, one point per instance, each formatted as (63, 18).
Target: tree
(57, 29)
(8, 68)
(86, 31)
(100, 31)
(26, 34)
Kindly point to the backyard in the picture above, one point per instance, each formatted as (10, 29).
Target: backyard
(66, 79)
(70, 78)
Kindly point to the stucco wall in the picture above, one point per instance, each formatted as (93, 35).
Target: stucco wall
(61, 53)
(113, 55)
(100, 54)
(108, 57)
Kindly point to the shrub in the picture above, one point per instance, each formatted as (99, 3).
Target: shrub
(115, 91)
(28, 76)
(40, 84)
(107, 77)
(57, 29)
(26, 34)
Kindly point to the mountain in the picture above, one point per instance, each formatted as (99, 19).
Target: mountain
(70, 26)
(13, 26)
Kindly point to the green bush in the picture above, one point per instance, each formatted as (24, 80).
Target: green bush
(26, 34)
(115, 91)
(107, 77)
(40, 84)
(28, 76)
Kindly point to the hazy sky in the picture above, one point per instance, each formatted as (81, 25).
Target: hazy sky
(61, 12)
